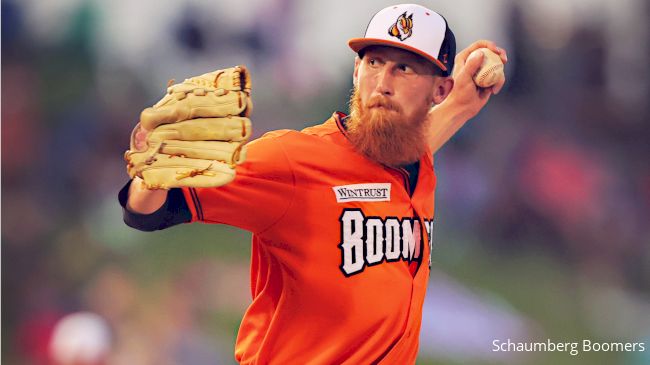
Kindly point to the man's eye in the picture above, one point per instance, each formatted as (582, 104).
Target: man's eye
(372, 61)
(405, 68)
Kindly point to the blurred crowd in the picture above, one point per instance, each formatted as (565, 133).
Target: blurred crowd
(556, 165)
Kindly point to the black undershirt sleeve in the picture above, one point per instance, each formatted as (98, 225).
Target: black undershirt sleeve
(174, 211)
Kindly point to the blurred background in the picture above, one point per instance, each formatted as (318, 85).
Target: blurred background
(542, 207)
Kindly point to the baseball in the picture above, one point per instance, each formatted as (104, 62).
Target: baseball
(491, 70)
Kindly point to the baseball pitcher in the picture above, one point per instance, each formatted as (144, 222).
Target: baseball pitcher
(341, 213)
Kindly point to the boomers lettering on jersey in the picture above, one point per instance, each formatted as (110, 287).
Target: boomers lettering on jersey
(368, 241)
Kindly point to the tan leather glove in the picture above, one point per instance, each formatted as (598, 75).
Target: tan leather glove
(196, 133)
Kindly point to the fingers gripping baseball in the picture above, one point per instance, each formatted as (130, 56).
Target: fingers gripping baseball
(464, 55)
(467, 75)
(465, 93)
(470, 66)
(466, 97)
(196, 134)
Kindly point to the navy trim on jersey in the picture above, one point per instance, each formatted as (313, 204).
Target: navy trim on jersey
(197, 203)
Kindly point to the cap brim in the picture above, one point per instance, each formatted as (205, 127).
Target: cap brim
(358, 44)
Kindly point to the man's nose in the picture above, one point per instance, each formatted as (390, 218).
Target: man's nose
(385, 82)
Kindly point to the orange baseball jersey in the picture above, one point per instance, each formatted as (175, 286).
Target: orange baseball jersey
(341, 251)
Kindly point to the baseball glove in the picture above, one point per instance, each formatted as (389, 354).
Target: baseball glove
(196, 134)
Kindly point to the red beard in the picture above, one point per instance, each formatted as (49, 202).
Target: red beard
(382, 132)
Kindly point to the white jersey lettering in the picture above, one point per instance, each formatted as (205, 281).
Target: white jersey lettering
(367, 241)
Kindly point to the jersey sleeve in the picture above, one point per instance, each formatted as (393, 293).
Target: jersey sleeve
(259, 195)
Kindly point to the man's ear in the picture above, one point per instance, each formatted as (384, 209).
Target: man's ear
(355, 74)
(442, 88)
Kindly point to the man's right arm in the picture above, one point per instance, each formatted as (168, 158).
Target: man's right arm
(465, 99)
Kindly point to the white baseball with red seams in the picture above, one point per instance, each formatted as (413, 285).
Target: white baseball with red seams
(491, 70)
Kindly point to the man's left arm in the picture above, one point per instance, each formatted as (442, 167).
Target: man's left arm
(465, 99)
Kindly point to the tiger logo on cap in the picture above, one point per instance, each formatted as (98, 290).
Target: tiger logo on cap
(402, 28)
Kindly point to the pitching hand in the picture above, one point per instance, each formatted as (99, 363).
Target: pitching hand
(465, 95)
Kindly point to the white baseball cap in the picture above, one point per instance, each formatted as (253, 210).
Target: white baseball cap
(414, 28)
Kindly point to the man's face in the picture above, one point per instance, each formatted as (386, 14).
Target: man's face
(393, 93)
